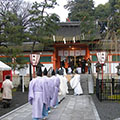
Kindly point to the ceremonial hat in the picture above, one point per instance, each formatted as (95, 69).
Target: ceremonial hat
(45, 71)
(53, 72)
(39, 72)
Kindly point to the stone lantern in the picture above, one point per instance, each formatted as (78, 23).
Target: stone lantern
(98, 69)
(118, 69)
(118, 73)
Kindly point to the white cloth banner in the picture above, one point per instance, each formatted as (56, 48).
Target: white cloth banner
(72, 53)
(83, 52)
(60, 53)
(66, 53)
(77, 52)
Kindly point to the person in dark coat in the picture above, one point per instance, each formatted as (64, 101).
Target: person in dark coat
(89, 65)
(83, 62)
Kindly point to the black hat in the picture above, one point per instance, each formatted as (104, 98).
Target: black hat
(76, 71)
(7, 77)
(61, 72)
(45, 71)
(53, 72)
(39, 72)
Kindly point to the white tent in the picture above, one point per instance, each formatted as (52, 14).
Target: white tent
(4, 67)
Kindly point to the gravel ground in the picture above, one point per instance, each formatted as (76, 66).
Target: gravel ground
(107, 110)
(19, 99)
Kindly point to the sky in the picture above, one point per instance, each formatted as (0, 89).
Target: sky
(62, 12)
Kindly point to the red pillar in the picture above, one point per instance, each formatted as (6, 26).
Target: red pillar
(33, 72)
(87, 56)
(87, 53)
(54, 58)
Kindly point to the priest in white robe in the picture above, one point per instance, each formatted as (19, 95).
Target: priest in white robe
(38, 95)
(75, 84)
(63, 84)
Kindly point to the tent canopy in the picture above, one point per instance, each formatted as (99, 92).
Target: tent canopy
(4, 67)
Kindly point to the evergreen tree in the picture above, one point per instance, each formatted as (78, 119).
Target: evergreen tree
(83, 11)
(42, 25)
(12, 28)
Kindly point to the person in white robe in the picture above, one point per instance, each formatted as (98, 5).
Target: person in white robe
(62, 69)
(50, 90)
(75, 84)
(69, 70)
(63, 84)
(38, 95)
(7, 92)
(78, 70)
(54, 100)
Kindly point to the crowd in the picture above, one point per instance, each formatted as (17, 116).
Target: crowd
(81, 65)
(43, 92)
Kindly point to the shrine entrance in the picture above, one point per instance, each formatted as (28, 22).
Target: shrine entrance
(69, 55)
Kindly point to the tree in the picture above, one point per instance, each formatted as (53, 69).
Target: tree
(42, 25)
(13, 26)
(114, 23)
(83, 11)
(108, 16)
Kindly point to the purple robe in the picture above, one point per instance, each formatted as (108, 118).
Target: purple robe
(37, 96)
(55, 94)
(51, 89)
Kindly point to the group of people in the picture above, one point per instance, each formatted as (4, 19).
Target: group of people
(43, 92)
(81, 65)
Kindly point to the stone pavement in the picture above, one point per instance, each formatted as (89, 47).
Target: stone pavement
(71, 108)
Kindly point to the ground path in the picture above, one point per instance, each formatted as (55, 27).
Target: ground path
(71, 108)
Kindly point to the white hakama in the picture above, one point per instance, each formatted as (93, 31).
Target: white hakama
(75, 84)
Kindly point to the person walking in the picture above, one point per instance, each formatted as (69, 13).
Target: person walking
(75, 84)
(50, 89)
(54, 100)
(38, 95)
(7, 92)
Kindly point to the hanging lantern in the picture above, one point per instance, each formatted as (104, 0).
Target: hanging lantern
(34, 59)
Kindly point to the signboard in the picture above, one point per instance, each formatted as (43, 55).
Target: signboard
(101, 57)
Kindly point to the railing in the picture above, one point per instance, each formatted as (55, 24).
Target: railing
(108, 89)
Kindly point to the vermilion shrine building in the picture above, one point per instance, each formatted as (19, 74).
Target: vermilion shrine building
(70, 44)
